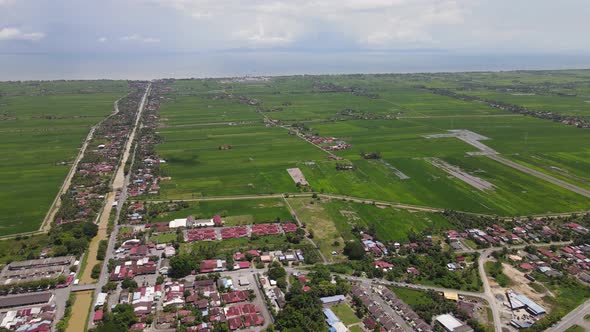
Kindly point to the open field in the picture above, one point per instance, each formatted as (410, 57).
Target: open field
(43, 125)
(345, 313)
(234, 212)
(332, 220)
(256, 164)
(386, 114)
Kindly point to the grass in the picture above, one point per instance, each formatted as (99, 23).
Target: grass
(28, 247)
(234, 212)
(355, 328)
(43, 124)
(412, 297)
(495, 271)
(163, 238)
(333, 220)
(345, 313)
(317, 218)
(401, 117)
(221, 249)
(575, 328)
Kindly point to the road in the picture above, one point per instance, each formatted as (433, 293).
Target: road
(294, 214)
(576, 316)
(46, 225)
(120, 182)
(540, 175)
(379, 301)
(488, 290)
(409, 207)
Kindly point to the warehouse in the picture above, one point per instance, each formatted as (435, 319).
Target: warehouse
(24, 300)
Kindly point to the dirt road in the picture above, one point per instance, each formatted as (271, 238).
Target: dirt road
(68, 180)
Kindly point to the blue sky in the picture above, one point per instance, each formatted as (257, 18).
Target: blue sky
(126, 26)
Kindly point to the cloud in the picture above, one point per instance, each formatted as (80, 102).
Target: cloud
(17, 34)
(103, 39)
(139, 38)
(368, 23)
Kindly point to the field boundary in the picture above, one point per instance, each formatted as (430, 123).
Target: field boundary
(370, 201)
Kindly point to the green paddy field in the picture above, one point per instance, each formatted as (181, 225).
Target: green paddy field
(196, 121)
(44, 124)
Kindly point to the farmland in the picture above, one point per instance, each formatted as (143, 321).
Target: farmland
(233, 212)
(43, 124)
(216, 142)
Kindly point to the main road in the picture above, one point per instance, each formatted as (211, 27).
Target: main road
(119, 183)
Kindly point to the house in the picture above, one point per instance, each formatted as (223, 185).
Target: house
(452, 324)
(164, 267)
(98, 314)
(212, 265)
(242, 265)
(177, 223)
(383, 265)
(333, 299)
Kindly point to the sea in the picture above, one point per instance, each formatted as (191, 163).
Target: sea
(55, 66)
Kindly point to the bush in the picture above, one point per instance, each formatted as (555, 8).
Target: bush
(96, 271)
(102, 250)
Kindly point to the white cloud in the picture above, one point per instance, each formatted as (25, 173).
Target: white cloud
(103, 39)
(368, 23)
(139, 38)
(17, 34)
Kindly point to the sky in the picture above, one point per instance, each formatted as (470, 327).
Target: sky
(177, 26)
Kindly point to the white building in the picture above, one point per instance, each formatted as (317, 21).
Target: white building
(452, 324)
(177, 223)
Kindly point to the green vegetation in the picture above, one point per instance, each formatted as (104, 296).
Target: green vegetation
(384, 114)
(494, 270)
(345, 313)
(221, 249)
(42, 124)
(333, 221)
(119, 319)
(102, 249)
(234, 212)
(63, 323)
(575, 328)
(569, 293)
(96, 270)
(428, 304)
(303, 311)
(23, 247)
(164, 237)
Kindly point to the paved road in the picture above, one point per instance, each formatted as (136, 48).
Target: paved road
(488, 290)
(103, 278)
(576, 316)
(259, 300)
(540, 175)
(386, 307)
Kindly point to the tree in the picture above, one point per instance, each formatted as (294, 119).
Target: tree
(354, 250)
(110, 286)
(129, 283)
(181, 266)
